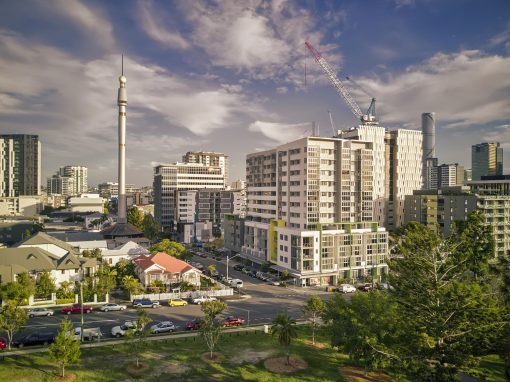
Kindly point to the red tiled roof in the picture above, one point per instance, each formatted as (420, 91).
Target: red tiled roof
(170, 263)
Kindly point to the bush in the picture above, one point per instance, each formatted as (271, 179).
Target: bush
(65, 301)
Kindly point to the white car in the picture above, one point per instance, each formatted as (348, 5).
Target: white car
(40, 312)
(112, 306)
(88, 333)
(162, 327)
(346, 288)
(236, 283)
(119, 331)
(202, 299)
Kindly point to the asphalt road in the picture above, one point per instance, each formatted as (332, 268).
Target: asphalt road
(261, 302)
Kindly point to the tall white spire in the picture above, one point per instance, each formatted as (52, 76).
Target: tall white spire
(122, 103)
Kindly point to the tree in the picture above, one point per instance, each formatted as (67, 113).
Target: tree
(213, 308)
(12, 318)
(150, 228)
(135, 217)
(105, 280)
(66, 349)
(170, 247)
(131, 284)
(94, 253)
(476, 243)
(27, 234)
(46, 285)
(451, 316)
(124, 268)
(18, 291)
(65, 290)
(210, 332)
(313, 309)
(136, 338)
(284, 326)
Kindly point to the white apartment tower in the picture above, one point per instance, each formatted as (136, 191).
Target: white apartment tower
(79, 174)
(309, 210)
(209, 158)
(181, 176)
(397, 156)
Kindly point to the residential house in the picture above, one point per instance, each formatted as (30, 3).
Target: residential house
(166, 268)
(127, 251)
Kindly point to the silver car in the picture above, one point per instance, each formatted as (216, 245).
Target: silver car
(39, 312)
(162, 327)
(112, 306)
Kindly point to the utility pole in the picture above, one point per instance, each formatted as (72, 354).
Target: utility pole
(81, 299)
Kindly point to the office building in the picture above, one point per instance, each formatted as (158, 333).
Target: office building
(309, 211)
(20, 165)
(440, 208)
(61, 185)
(208, 158)
(486, 160)
(176, 177)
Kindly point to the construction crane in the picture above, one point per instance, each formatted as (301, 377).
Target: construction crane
(366, 119)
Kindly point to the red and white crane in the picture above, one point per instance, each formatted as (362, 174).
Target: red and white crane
(366, 119)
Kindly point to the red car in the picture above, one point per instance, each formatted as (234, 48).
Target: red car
(233, 321)
(76, 308)
(193, 324)
(3, 343)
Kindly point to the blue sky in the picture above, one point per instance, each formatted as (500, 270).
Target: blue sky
(229, 75)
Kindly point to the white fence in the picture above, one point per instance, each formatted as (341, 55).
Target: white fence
(192, 294)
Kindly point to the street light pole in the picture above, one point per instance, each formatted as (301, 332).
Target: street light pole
(228, 258)
(81, 299)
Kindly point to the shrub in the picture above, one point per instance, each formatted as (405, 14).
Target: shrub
(65, 301)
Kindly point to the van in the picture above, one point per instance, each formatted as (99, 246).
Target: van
(236, 283)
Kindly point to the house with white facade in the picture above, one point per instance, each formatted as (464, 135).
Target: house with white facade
(165, 268)
(127, 251)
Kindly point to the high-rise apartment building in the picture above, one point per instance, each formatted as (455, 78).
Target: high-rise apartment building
(208, 158)
(486, 160)
(441, 176)
(397, 169)
(181, 176)
(61, 185)
(20, 165)
(79, 174)
(309, 211)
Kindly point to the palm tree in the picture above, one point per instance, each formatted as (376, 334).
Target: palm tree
(284, 326)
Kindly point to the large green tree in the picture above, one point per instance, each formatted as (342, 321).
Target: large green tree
(132, 284)
(135, 217)
(45, 285)
(284, 327)
(66, 349)
(170, 247)
(124, 268)
(105, 280)
(213, 308)
(439, 312)
(12, 319)
(18, 291)
(151, 227)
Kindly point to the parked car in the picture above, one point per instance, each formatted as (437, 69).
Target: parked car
(35, 339)
(40, 312)
(145, 303)
(367, 287)
(252, 274)
(3, 343)
(238, 267)
(245, 270)
(177, 302)
(233, 321)
(112, 306)
(346, 288)
(76, 308)
(201, 299)
(119, 331)
(236, 283)
(203, 254)
(163, 327)
(193, 324)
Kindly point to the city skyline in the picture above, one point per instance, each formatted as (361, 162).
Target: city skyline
(228, 78)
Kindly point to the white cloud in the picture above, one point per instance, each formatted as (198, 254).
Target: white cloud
(152, 25)
(64, 97)
(281, 132)
(464, 88)
(91, 20)
(263, 40)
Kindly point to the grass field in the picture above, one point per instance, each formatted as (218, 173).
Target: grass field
(181, 360)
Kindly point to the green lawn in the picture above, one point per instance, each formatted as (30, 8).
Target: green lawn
(180, 360)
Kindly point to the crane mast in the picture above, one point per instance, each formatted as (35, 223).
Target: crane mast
(340, 88)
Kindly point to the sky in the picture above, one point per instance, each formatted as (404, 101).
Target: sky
(236, 77)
